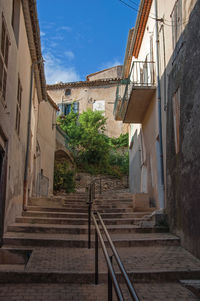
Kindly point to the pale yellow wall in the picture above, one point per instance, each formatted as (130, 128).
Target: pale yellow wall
(19, 64)
(114, 72)
(86, 96)
(47, 140)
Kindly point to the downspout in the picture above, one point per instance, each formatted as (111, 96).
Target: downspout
(28, 135)
(159, 147)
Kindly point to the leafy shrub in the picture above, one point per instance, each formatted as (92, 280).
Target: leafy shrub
(63, 177)
(95, 152)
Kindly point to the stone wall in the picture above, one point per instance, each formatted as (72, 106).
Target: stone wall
(86, 96)
(183, 169)
(107, 183)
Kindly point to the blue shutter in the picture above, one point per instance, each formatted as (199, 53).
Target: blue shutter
(60, 106)
(76, 107)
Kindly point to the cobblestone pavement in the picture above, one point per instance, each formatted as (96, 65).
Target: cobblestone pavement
(134, 259)
(66, 292)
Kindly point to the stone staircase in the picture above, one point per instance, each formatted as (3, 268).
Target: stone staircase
(55, 231)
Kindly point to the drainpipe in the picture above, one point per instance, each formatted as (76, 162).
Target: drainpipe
(28, 135)
(159, 147)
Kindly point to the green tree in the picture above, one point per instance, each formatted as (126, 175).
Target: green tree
(94, 152)
(86, 135)
(70, 126)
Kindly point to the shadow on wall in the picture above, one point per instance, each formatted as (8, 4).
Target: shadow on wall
(183, 128)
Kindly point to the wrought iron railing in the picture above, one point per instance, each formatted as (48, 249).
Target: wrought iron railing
(142, 74)
(112, 278)
(91, 196)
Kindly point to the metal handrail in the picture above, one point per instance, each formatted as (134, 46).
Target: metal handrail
(91, 197)
(109, 261)
(116, 255)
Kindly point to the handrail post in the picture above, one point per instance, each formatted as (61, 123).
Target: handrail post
(93, 191)
(110, 283)
(89, 217)
(100, 185)
(96, 258)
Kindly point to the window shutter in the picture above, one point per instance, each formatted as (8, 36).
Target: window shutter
(76, 107)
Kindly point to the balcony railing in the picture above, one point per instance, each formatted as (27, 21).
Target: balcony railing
(142, 75)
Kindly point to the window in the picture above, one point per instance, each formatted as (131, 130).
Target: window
(176, 16)
(16, 18)
(67, 92)
(18, 109)
(176, 118)
(65, 108)
(3, 59)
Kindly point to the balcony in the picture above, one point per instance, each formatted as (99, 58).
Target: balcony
(135, 93)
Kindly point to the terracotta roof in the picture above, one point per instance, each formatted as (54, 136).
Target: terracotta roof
(141, 22)
(33, 35)
(99, 82)
(50, 100)
(136, 36)
(128, 54)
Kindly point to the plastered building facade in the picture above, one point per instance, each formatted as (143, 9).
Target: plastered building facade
(97, 93)
(26, 114)
(157, 97)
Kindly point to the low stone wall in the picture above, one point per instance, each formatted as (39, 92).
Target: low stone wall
(107, 183)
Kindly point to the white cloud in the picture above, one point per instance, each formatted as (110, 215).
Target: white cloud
(42, 33)
(58, 38)
(69, 54)
(56, 72)
(65, 28)
(111, 64)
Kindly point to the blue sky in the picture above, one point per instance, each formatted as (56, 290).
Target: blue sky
(80, 37)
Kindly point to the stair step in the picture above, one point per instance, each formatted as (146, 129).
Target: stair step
(76, 292)
(59, 265)
(81, 229)
(75, 221)
(65, 209)
(82, 215)
(56, 209)
(81, 241)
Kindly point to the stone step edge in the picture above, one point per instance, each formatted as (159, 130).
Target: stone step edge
(57, 226)
(85, 214)
(9, 276)
(77, 244)
(7, 236)
(83, 219)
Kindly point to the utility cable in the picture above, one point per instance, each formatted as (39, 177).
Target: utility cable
(153, 17)
(133, 2)
(135, 9)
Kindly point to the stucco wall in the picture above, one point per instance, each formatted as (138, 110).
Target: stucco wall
(19, 66)
(86, 96)
(114, 72)
(19, 63)
(47, 141)
(183, 169)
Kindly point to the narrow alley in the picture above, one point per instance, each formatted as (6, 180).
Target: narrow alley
(61, 267)
(99, 150)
